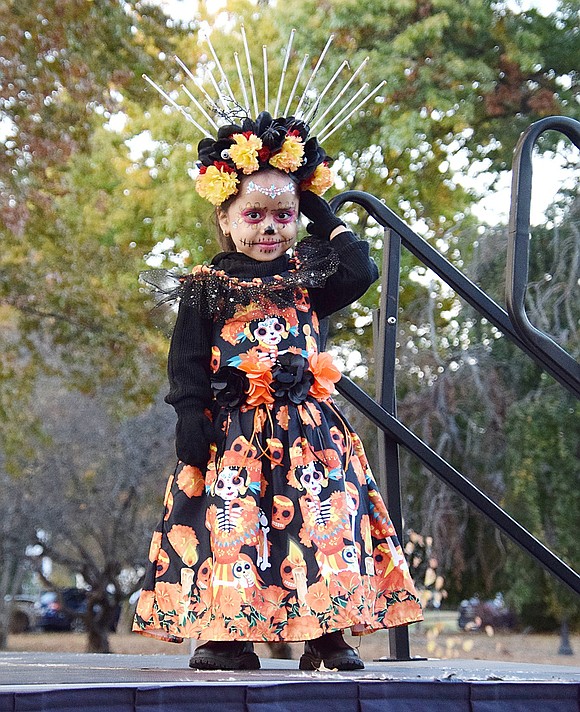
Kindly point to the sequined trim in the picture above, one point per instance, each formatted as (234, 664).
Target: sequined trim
(215, 293)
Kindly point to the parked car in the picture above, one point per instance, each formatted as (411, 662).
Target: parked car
(22, 613)
(65, 610)
(475, 614)
(61, 610)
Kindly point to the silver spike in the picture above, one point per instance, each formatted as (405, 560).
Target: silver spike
(356, 108)
(221, 69)
(199, 107)
(284, 68)
(314, 73)
(218, 91)
(250, 71)
(242, 83)
(309, 114)
(345, 108)
(177, 106)
(195, 80)
(339, 96)
(265, 63)
(300, 70)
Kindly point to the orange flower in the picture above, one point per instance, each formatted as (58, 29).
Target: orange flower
(168, 596)
(230, 602)
(303, 628)
(184, 541)
(318, 597)
(282, 417)
(309, 415)
(155, 546)
(289, 157)
(320, 181)
(325, 373)
(259, 376)
(145, 605)
(190, 480)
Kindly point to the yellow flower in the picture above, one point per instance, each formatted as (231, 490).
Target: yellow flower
(289, 158)
(320, 181)
(244, 153)
(216, 185)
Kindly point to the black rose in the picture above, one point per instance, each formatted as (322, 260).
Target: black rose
(314, 155)
(210, 151)
(229, 386)
(292, 379)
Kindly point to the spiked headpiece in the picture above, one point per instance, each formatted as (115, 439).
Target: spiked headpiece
(244, 145)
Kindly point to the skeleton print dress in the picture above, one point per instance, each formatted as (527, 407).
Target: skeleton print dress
(283, 536)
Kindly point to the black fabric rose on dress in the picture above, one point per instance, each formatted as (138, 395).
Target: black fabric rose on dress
(292, 379)
(229, 386)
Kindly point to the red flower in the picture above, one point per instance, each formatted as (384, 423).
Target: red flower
(221, 166)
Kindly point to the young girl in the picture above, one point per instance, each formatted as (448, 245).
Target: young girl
(273, 527)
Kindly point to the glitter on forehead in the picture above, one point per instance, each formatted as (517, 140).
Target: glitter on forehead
(271, 191)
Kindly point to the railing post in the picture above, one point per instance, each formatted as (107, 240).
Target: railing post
(385, 330)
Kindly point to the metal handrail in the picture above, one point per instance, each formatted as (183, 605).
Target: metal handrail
(518, 255)
(514, 324)
(466, 489)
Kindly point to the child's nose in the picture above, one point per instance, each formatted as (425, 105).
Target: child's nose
(269, 229)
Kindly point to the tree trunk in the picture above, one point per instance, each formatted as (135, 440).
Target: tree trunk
(565, 647)
(99, 620)
(98, 640)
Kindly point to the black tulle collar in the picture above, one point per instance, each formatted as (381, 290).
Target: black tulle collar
(237, 264)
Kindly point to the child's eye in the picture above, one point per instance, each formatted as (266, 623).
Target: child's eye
(285, 216)
(253, 216)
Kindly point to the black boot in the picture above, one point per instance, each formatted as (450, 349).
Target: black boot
(225, 655)
(332, 650)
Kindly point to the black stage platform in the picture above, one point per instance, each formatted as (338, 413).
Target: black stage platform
(31, 682)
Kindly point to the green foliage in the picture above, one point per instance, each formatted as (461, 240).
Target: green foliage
(83, 207)
(542, 487)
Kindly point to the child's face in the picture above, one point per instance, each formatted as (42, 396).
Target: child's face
(262, 220)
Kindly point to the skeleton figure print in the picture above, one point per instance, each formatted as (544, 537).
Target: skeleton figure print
(292, 538)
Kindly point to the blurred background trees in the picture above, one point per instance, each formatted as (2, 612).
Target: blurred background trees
(96, 183)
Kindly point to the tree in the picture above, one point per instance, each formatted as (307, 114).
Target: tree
(83, 203)
(98, 488)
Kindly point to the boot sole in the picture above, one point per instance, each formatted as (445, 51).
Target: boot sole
(310, 662)
(247, 661)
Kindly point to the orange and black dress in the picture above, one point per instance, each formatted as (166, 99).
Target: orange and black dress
(283, 534)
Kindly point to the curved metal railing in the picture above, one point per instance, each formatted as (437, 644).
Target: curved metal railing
(513, 323)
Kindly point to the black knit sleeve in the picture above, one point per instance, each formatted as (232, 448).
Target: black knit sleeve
(188, 365)
(189, 386)
(355, 274)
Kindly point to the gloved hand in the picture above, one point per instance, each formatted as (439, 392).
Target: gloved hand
(320, 213)
(193, 435)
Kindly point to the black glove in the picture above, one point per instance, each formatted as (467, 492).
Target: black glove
(193, 435)
(319, 211)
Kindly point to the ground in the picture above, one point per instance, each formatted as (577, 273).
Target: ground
(438, 637)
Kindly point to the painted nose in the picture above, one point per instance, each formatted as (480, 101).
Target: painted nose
(269, 230)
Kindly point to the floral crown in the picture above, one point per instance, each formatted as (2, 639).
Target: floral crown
(280, 143)
(243, 145)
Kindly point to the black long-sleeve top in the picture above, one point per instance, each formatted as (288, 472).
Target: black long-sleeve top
(190, 350)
